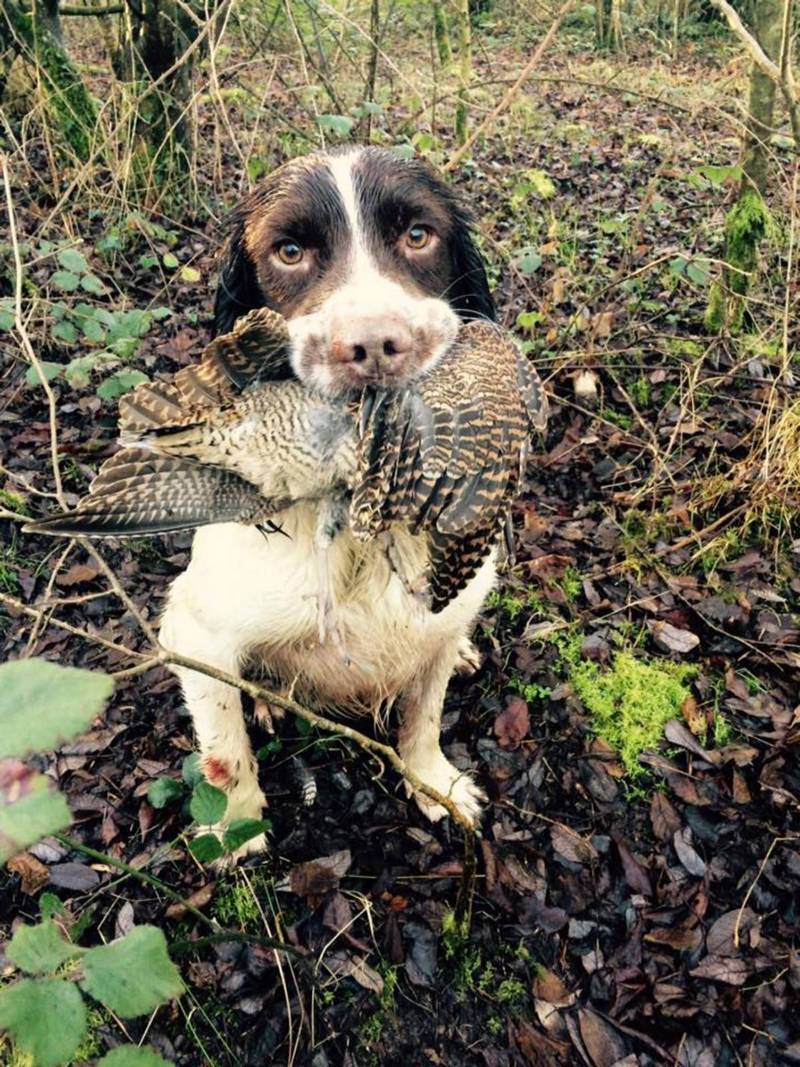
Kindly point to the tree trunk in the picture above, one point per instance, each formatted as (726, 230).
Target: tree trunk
(464, 29)
(161, 31)
(37, 36)
(372, 69)
(441, 34)
(747, 220)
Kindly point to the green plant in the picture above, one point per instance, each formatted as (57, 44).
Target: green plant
(631, 702)
(206, 805)
(131, 976)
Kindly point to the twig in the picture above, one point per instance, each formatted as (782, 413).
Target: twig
(258, 692)
(529, 67)
(751, 887)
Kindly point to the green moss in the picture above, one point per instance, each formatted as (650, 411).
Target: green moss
(13, 502)
(745, 228)
(237, 903)
(512, 993)
(631, 702)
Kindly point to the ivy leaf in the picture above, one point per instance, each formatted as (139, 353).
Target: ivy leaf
(206, 848)
(164, 790)
(40, 949)
(46, 1018)
(66, 280)
(132, 1056)
(134, 975)
(341, 125)
(72, 260)
(208, 804)
(49, 369)
(242, 830)
(120, 383)
(92, 284)
(43, 704)
(30, 808)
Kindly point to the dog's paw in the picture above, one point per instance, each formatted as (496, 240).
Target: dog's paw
(469, 658)
(253, 847)
(459, 786)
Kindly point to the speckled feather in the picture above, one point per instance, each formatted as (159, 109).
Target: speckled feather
(445, 455)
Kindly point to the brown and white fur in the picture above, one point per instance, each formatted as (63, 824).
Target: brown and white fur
(364, 302)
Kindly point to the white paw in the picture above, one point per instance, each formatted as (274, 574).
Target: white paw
(468, 797)
(469, 658)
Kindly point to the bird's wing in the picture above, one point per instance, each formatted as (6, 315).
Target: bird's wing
(138, 493)
(231, 363)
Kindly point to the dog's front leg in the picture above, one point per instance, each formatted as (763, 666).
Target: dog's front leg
(216, 709)
(418, 741)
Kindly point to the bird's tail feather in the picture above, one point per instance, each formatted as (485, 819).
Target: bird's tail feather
(138, 493)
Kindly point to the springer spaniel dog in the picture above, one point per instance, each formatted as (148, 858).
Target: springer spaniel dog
(369, 257)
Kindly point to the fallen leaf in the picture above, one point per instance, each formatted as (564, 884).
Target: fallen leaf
(682, 840)
(77, 574)
(571, 845)
(198, 899)
(513, 724)
(317, 877)
(663, 817)
(75, 876)
(721, 969)
(635, 875)
(33, 874)
(695, 719)
(548, 986)
(671, 639)
(720, 938)
(602, 1043)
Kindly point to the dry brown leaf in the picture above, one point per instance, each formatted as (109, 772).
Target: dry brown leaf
(603, 1044)
(513, 724)
(198, 899)
(663, 817)
(571, 845)
(548, 986)
(77, 574)
(720, 938)
(33, 873)
(695, 719)
(721, 969)
(691, 861)
(671, 639)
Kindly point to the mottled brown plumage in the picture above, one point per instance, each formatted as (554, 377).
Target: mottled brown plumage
(445, 455)
(221, 442)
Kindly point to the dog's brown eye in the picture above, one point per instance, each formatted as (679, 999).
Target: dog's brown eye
(290, 253)
(418, 237)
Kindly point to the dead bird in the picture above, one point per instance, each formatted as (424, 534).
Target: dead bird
(223, 443)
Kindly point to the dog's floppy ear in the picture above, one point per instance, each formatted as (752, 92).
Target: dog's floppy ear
(469, 293)
(238, 290)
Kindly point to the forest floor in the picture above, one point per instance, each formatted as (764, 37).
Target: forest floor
(618, 916)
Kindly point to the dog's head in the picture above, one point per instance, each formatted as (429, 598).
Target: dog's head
(368, 256)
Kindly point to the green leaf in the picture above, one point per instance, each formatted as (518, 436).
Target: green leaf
(540, 183)
(134, 975)
(50, 905)
(6, 314)
(133, 323)
(120, 383)
(110, 243)
(125, 347)
(132, 1056)
(46, 1017)
(720, 175)
(698, 271)
(678, 265)
(146, 262)
(92, 284)
(191, 770)
(49, 369)
(78, 371)
(66, 280)
(206, 848)
(40, 949)
(72, 260)
(65, 331)
(170, 260)
(43, 704)
(341, 125)
(404, 151)
(190, 274)
(242, 830)
(93, 331)
(526, 320)
(164, 790)
(30, 808)
(160, 313)
(208, 804)
(529, 261)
